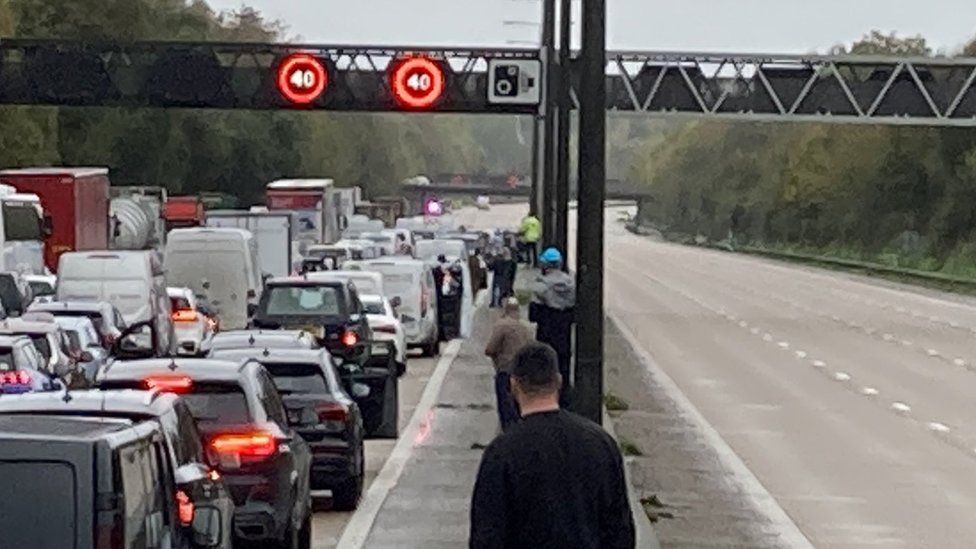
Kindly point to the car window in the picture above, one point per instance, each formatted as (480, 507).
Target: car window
(302, 301)
(119, 320)
(40, 288)
(298, 378)
(44, 484)
(72, 340)
(272, 400)
(7, 361)
(139, 494)
(374, 307)
(42, 345)
(179, 303)
(224, 403)
(190, 438)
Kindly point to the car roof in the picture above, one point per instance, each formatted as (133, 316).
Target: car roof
(62, 428)
(344, 275)
(372, 297)
(274, 356)
(17, 326)
(150, 403)
(258, 335)
(70, 172)
(178, 292)
(74, 306)
(9, 340)
(200, 369)
(304, 281)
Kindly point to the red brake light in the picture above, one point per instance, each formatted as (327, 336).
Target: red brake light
(184, 508)
(169, 384)
(331, 411)
(350, 338)
(233, 450)
(186, 315)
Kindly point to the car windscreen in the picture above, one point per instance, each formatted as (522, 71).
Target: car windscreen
(30, 486)
(298, 378)
(179, 303)
(9, 294)
(217, 403)
(302, 301)
(7, 362)
(22, 222)
(373, 307)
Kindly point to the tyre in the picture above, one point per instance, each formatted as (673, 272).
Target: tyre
(345, 496)
(431, 348)
(305, 534)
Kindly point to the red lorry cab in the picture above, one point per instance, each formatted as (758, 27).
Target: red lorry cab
(76, 199)
(181, 212)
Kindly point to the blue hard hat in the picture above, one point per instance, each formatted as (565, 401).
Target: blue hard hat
(551, 256)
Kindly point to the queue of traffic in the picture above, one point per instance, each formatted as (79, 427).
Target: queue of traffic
(195, 394)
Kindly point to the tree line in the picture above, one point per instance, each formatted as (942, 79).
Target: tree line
(904, 196)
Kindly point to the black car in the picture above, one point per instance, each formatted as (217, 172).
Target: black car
(329, 309)
(247, 439)
(91, 483)
(323, 413)
(196, 485)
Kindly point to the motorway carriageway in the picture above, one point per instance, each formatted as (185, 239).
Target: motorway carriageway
(851, 400)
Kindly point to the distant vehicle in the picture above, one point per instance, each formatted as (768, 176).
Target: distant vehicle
(104, 316)
(194, 486)
(322, 412)
(137, 218)
(75, 200)
(50, 342)
(330, 256)
(329, 309)
(272, 232)
(15, 294)
(132, 281)
(386, 241)
(83, 330)
(263, 339)
(386, 326)
(412, 282)
(22, 368)
(360, 249)
(248, 440)
(191, 326)
(366, 282)
(85, 476)
(183, 212)
(41, 285)
(23, 230)
(316, 205)
(483, 202)
(219, 264)
(429, 250)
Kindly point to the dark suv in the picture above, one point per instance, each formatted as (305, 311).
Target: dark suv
(330, 310)
(196, 485)
(263, 462)
(98, 483)
(322, 412)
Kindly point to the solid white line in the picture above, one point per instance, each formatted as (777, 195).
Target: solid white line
(751, 487)
(645, 536)
(358, 528)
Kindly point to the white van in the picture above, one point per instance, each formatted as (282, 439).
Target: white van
(364, 281)
(219, 264)
(412, 282)
(132, 281)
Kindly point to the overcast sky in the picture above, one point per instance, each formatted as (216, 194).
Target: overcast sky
(781, 26)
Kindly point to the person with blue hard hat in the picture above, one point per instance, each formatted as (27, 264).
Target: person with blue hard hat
(553, 309)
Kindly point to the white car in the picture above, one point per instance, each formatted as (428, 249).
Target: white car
(190, 326)
(385, 324)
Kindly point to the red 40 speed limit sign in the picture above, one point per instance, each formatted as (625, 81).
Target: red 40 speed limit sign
(302, 78)
(417, 82)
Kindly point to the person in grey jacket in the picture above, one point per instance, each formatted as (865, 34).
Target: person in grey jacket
(553, 309)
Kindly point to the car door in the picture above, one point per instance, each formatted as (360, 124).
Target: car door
(373, 364)
(300, 452)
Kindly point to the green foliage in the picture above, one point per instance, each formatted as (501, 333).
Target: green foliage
(230, 151)
(902, 196)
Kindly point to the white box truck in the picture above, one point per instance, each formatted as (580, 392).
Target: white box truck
(272, 232)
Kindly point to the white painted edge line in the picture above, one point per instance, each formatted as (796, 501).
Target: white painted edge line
(357, 530)
(751, 487)
(645, 536)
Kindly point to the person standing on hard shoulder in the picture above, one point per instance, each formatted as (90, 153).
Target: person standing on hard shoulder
(508, 337)
(552, 481)
(530, 232)
(553, 309)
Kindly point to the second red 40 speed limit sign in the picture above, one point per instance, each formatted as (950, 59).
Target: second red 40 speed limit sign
(417, 83)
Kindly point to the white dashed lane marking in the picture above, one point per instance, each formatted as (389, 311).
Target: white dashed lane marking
(938, 427)
(842, 376)
(801, 354)
(869, 391)
(901, 407)
(819, 364)
(932, 352)
(784, 344)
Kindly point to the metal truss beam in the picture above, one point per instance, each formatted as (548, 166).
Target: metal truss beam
(874, 90)
(230, 75)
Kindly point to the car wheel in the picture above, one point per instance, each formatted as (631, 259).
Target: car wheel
(345, 496)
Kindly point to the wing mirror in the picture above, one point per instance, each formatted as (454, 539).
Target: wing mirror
(206, 527)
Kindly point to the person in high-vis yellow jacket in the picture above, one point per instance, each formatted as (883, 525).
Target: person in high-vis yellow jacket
(530, 232)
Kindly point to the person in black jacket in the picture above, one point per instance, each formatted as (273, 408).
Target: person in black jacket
(553, 309)
(552, 481)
